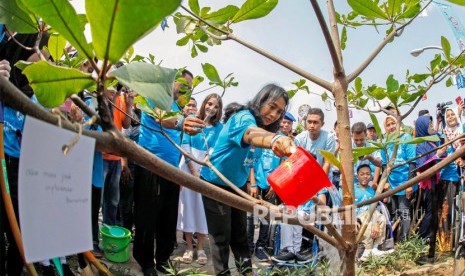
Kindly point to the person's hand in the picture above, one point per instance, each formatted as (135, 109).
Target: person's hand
(129, 98)
(253, 191)
(408, 192)
(461, 106)
(5, 68)
(126, 173)
(375, 232)
(192, 125)
(75, 113)
(283, 146)
(386, 187)
(441, 151)
(270, 193)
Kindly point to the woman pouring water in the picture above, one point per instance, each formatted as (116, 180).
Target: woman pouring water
(255, 125)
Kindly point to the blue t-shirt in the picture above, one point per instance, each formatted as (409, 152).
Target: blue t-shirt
(13, 129)
(97, 167)
(155, 142)
(324, 142)
(449, 172)
(267, 163)
(405, 152)
(196, 143)
(230, 154)
(362, 194)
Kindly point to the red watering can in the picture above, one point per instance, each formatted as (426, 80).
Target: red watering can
(299, 178)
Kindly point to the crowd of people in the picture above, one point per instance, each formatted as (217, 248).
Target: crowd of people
(245, 143)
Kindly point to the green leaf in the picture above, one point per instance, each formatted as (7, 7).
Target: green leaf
(329, 156)
(391, 84)
(56, 46)
(368, 8)
(196, 81)
(118, 24)
(17, 19)
(211, 73)
(253, 9)
(358, 152)
(57, 84)
(417, 78)
(411, 9)
(144, 106)
(202, 48)
(222, 16)
(194, 52)
(374, 120)
(449, 82)
(392, 137)
(343, 38)
(291, 93)
(194, 6)
(418, 140)
(324, 96)
(21, 64)
(153, 82)
(446, 47)
(378, 93)
(63, 18)
(358, 84)
(394, 7)
(435, 62)
(185, 25)
(183, 41)
(458, 2)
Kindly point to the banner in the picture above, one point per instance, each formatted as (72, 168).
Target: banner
(454, 22)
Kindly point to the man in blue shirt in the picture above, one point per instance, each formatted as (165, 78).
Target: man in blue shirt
(358, 132)
(155, 198)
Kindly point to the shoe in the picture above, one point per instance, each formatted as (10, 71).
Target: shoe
(261, 255)
(150, 272)
(47, 270)
(67, 270)
(284, 256)
(162, 268)
(303, 257)
(97, 252)
(188, 256)
(422, 260)
(202, 257)
(360, 250)
(366, 255)
(378, 253)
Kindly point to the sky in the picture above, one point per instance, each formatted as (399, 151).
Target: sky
(291, 31)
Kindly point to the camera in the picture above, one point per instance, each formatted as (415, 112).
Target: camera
(441, 107)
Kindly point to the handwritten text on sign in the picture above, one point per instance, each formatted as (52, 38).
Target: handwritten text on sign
(54, 192)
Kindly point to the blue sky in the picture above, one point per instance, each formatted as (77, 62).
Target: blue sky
(291, 32)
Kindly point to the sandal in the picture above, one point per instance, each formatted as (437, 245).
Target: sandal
(188, 256)
(202, 257)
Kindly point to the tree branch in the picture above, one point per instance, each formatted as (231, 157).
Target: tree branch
(329, 42)
(334, 29)
(387, 39)
(295, 69)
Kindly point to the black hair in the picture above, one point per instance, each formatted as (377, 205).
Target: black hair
(269, 92)
(316, 111)
(363, 166)
(358, 128)
(187, 72)
(230, 109)
(423, 112)
(12, 52)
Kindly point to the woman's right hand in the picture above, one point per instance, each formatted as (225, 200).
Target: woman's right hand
(283, 146)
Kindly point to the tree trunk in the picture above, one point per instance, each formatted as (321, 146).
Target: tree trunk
(345, 147)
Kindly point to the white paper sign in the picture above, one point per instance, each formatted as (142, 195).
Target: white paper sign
(54, 192)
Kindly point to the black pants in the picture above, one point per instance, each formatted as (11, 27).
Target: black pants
(14, 263)
(264, 226)
(227, 227)
(96, 203)
(125, 215)
(155, 215)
